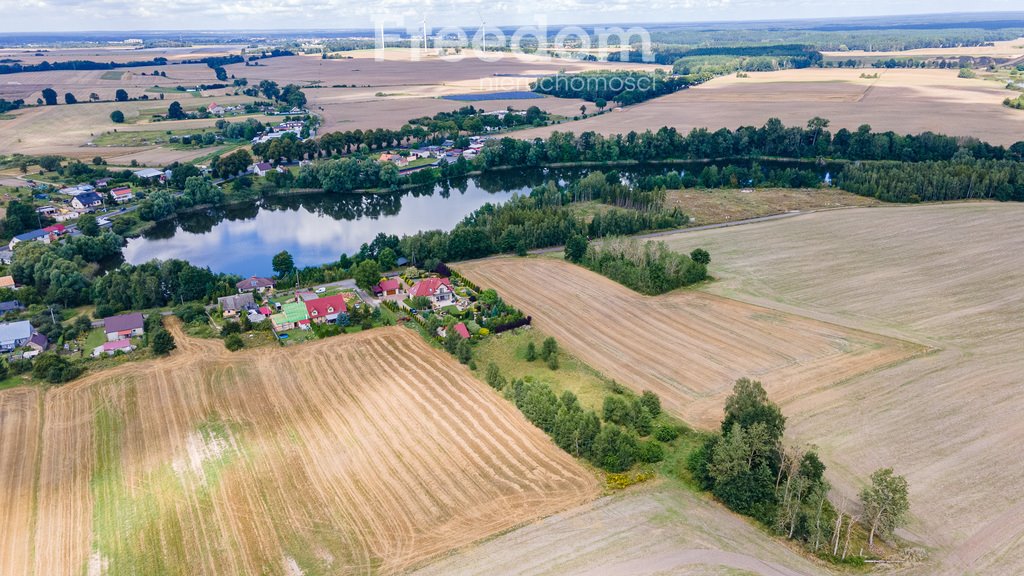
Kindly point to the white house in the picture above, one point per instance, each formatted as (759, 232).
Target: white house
(14, 335)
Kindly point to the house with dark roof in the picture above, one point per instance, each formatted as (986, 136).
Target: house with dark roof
(326, 309)
(10, 306)
(38, 342)
(87, 201)
(437, 290)
(124, 326)
(255, 283)
(236, 304)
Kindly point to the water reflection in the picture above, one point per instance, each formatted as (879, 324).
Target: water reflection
(314, 228)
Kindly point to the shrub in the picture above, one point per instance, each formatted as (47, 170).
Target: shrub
(531, 352)
(553, 361)
(163, 342)
(650, 452)
(54, 369)
(666, 433)
(233, 342)
(117, 117)
(651, 401)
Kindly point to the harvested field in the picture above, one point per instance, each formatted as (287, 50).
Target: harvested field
(657, 529)
(905, 101)
(67, 130)
(729, 205)
(352, 455)
(688, 347)
(949, 276)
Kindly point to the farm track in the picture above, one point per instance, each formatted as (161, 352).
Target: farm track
(360, 454)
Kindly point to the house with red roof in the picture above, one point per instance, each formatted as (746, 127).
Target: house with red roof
(437, 290)
(389, 287)
(122, 194)
(461, 330)
(111, 348)
(326, 309)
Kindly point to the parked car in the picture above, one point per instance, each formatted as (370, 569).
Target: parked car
(320, 290)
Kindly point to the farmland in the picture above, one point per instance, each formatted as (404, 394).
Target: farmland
(710, 340)
(655, 529)
(728, 205)
(926, 367)
(944, 420)
(905, 101)
(333, 457)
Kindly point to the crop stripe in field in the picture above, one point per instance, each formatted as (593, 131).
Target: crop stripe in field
(340, 456)
(472, 442)
(498, 415)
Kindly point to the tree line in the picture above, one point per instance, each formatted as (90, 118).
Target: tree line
(962, 178)
(647, 267)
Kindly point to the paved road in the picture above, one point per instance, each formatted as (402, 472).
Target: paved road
(693, 229)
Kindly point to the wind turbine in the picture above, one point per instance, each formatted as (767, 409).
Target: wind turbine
(426, 46)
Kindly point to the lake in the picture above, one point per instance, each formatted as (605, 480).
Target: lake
(317, 229)
(314, 229)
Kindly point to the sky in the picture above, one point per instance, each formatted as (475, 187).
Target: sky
(94, 15)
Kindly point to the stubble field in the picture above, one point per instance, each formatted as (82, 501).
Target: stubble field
(689, 347)
(939, 283)
(904, 101)
(948, 276)
(353, 455)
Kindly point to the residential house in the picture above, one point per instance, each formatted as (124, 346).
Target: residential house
(124, 326)
(256, 283)
(14, 335)
(39, 235)
(262, 168)
(122, 194)
(10, 306)
(216, 109)
(437, 290)
(255, 316)
(46, 210)
(5, 255)
(389, 287)
(396, 159)
(111, 348)
(86, 201)
(7, 282)
(236, 304)
(292, 315)
(55, 231)
(38, 342)
(326, 309)
(102, 182)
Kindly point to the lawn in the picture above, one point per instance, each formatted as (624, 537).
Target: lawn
(508, 352)
(96, 337)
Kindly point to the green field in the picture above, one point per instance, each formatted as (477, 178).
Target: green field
(173, 90)
(146, 137)
(113, 75)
